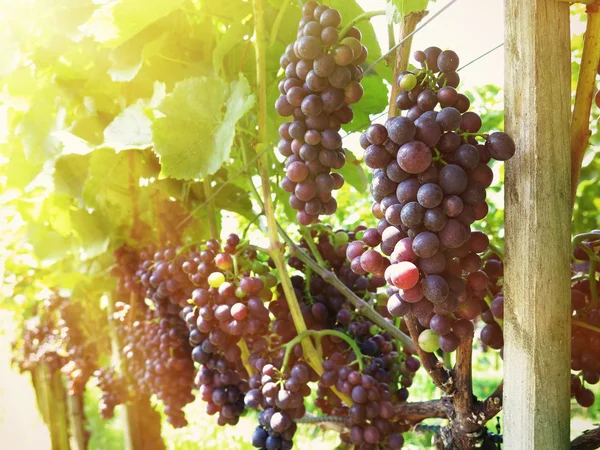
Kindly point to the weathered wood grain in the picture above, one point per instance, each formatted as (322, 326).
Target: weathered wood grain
(537, 200)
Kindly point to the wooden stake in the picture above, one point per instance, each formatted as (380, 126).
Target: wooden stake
(537, 308)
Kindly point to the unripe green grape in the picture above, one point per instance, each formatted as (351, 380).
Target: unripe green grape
(216, 279)
(429, 341)
(360, 235)
(340, 238)
(259, 268)
(269, 280)
(239, 292)
(408, 82)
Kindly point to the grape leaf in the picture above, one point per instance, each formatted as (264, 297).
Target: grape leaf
(92, 232)
(402, 8)
(22, 171)
(195, 135)
(116, 22)
(49, 247)
(126, 68)
(130, 129)
(71, 144)
(70, 173)
(107, 187)
(10, 55)
(354, 173)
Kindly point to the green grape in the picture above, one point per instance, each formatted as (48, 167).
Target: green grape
(408, 82)
(340, 238)
(259, 268)
(239, 292)
(216, 279)
(429, 341)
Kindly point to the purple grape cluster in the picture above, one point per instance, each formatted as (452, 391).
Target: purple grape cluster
(56, 338)
(430, 174)
(322, 78)
(114, 391)
(282, 398)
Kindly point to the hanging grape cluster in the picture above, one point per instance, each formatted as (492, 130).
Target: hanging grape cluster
(55, 337)
(430, 173)
(322, 78)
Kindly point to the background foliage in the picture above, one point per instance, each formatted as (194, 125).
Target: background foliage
(110, 110)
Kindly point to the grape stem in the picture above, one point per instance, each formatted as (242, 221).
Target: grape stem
(318, 335)
(245, 357)
(275, 248)
(311, 245)
(407, 26)
(368, 15)
(581, 324)
(277, 22)
(580, 123)
(493, 404)
(362, 307)
(212, 221)
(432, 365)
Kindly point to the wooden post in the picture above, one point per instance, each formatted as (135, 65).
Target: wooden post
(77, 422)
(537, 305)
(58, 413)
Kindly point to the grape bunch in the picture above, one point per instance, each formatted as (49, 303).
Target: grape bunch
(430, 174)
(114, 391)
(158, 357)
(585, 338)
(322, 78)
(281, 395)
(227, 306)
(370, 417)
(56, 337)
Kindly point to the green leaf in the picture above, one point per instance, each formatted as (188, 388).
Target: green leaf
(49, 247)
(234, 35)
(125, 69)
(10, 55)
(70, 173)
(71, 144)
(108, 187)
(20, 171)
(354, 173)
(93, 233)
(116, 22)
(195, 135)
(37, 124)
(402, 8)
(129, 130)
(56, 211)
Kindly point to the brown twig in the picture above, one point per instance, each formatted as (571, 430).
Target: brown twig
(463, 378)
(415, 412)
(580, 123)
(433, 366)
(493, 404)
(589, 440)
(408, 25)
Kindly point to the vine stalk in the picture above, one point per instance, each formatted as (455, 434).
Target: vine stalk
(407, 26)
(275, 250)
(212, 221)
(362, 306)
(580, 129)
